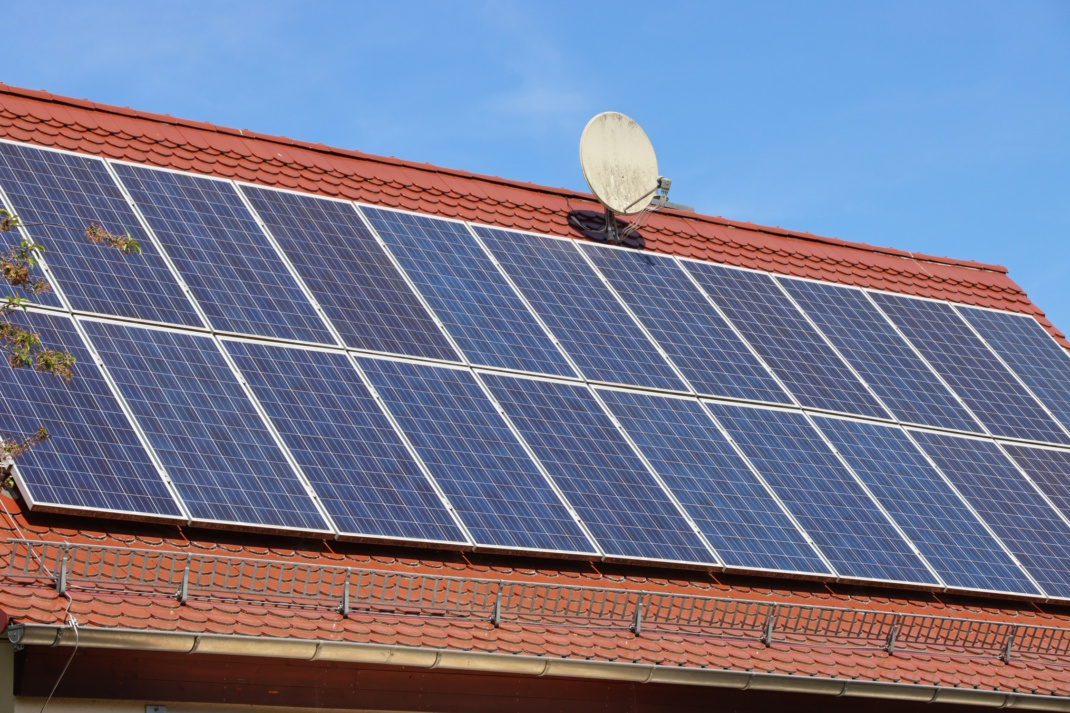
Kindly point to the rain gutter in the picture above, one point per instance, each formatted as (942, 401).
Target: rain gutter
(426, 658)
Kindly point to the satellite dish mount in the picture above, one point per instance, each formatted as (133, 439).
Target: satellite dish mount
(621, 170)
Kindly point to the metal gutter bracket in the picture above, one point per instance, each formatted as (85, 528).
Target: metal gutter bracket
(15, 633)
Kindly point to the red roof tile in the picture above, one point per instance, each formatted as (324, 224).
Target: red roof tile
(148, 611)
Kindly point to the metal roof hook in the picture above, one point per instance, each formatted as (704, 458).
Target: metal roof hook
(1008, 645)
(767, 634)
(637, 620)
(344, 607)
(61, 578)
(890, 646)
(183, 588)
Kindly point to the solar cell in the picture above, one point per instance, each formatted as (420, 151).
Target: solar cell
(1014, 510)
(480, 309)
(932, 515)
(991, 392)
(1048, 468)
(213, 444)
(93, 459)
(616, 497)
(820, 492)
(57, 196)
(350, 275)
(223, 256)
(356, 462)
(864, 337)
(486, 474)
(599, 335)
(1030, 352)
(738, 516)
(707, 351)
(792, 348)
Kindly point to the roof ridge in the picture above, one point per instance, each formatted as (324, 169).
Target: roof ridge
(42, 95)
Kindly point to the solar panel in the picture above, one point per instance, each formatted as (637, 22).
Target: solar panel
(57, 196)
(1048, 468)
(468, 293)
(224, 257)
(527, 463)
(986, 386)
(864, 337)
(1030, 352)
(820, 492)
(931, 514)
(352, 456)
(599, 335)
(489, 479)
(617, 498)
(790, 346)
(350, 275)
(1018, 515)
(738, 516)
(93, 460)
(703, 346)
(213, 444)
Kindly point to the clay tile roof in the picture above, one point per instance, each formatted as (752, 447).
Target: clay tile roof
(78, 125)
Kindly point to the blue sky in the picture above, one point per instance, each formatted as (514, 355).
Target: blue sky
(936, 127)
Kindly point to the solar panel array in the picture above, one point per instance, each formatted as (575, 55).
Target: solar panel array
(285, 362)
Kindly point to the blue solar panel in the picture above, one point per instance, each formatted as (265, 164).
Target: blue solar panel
(710, 354)
(847, 526)
(1049, 469)
(233, 272)
(779, 332)
(57, 196)
(884, 359)
(481, 311)
(93, 459)
(971, 369)
(950, 537)
(739, 518)
(600, 336)
(352, 456)
(1014, 510)
(616, 496)
(1031, 352)
(212, 443)
(362, 293)
(490, 480)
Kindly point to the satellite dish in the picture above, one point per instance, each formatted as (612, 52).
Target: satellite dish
(618, 163)
(619, 166)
